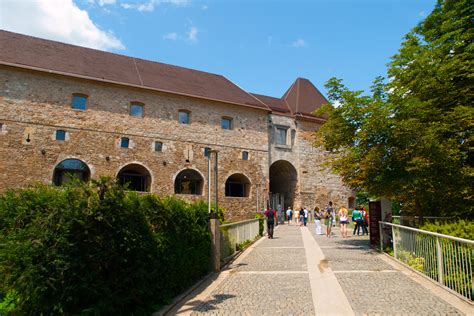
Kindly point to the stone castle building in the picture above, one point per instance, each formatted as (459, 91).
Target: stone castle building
(68, 111)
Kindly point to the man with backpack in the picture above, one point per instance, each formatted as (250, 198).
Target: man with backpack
(271, 217)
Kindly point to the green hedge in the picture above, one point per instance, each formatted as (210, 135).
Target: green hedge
(457, 228)
(96, 249)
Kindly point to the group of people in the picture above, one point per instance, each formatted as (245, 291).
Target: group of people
(327, 215)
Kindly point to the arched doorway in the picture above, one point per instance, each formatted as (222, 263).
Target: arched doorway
(70, 169)
(188, 181)
(351, 201)
(136, 177)
(283, 179)
(237, 185)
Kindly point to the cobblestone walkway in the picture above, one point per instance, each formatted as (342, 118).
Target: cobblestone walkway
(272, 278)
(374, 287)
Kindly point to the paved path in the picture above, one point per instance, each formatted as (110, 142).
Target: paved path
(299, 273)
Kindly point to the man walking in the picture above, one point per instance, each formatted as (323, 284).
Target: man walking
(271, 216)
(289, 214)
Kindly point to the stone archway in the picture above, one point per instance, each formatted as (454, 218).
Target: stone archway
(136, 177)
(283, 180)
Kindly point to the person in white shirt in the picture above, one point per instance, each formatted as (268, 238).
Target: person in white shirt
(317, 221)
(305, 216)
(289, 214)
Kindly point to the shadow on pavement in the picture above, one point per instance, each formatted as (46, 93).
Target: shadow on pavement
(208, 305)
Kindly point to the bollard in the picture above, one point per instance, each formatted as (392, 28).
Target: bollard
(214, 228)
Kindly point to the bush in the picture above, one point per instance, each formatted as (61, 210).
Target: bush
(460, 228)
(96, 249)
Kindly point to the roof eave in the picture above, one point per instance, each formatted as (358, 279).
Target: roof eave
(306, 117)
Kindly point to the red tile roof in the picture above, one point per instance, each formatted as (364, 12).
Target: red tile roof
(275, 104)
(303, 97)
(30, 52)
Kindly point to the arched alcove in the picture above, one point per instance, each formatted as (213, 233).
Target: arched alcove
(188, 181)
(70, 169)
(237, 185)
(136, 177)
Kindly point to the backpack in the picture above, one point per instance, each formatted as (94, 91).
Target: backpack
(270, 217)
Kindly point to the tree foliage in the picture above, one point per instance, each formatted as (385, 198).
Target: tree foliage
(411, 138)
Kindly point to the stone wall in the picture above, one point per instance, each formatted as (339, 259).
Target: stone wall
(33, 105)
(318, 185)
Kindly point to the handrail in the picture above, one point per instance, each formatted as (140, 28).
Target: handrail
(445, 259)
(416, 216)
(430, 233)
(239, 223)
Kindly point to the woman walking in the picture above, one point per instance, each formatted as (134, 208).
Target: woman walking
(343, 220)
(317, 221)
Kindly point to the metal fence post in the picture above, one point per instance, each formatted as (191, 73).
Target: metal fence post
(439, 256)
(394, 243)
(381, 236)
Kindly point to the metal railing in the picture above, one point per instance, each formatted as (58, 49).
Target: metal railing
(413, 221)
(446, 259)
(234, 234)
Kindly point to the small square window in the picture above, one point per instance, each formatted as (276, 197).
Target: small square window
(79, 102)
(183, 117)
(245, 155)
(281, 136)
(60, 135)
(226, 123)
(124, 142)
(159, 146)
(136, 110)
(206, 151)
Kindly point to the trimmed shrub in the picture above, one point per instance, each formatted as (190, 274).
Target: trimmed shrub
(96, 249)
(457, 228)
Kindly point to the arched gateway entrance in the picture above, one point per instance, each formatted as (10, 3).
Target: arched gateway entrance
(283, 178)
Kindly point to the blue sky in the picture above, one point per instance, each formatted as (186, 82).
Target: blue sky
(262, 46)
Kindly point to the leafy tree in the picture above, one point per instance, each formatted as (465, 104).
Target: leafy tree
(411, 139)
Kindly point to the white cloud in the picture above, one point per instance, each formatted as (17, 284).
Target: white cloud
(105, 2)
(299, 43)
(171, 36)
(59, 20)
(192, 34)
(422, 14)
(149, 5)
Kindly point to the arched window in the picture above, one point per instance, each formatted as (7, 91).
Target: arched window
(237, 185)
(70, 169)
(188, 182)
(135, 177)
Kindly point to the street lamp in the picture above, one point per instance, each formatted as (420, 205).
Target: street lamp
(216, 184)
(213, 220)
